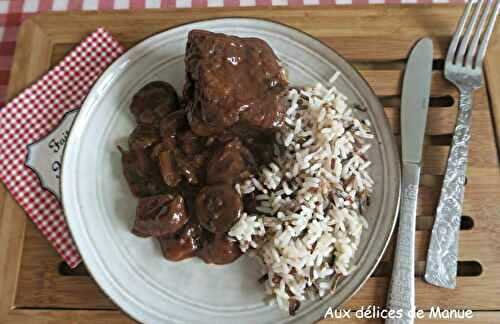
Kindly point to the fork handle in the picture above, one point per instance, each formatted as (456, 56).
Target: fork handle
(441, 268)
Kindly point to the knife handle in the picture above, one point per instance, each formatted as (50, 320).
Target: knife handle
(401, 297)
(441, 267)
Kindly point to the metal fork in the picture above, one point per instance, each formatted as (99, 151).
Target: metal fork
(463, 67)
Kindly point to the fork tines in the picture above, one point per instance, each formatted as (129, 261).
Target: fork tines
(469, 43)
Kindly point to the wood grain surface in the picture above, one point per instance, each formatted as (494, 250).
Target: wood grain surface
(36, 286)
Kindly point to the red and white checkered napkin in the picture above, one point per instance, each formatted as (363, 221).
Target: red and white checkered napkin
(32, 115)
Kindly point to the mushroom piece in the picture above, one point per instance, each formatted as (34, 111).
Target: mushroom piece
(160, 215)
(141, 172)
(168, 168)
(183, 244)
(143, 137)
(186, 167)
(154, 101)
(172, 124)
(229, 163)
(198, 126)
(136, 163)
(220, 250)
(218, 207)
(190, 143)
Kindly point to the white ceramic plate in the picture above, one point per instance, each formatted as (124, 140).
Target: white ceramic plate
(100, 208)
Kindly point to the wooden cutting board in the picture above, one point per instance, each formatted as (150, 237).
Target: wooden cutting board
(36, 286)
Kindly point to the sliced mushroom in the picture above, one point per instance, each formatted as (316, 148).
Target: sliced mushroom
(229, 163)
(154, 101)
(183, 244)
(160, 215)
(172, 124)
(186, 167)
(141, 173)
(143, 137)
(218, 207)
(190, 143)
(168, 168)
(220, 250)
(135, 163)
(198, 126)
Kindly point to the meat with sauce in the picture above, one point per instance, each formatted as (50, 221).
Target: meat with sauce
(141, 172)
(143, 137)
(232, 83)
(160, 215)
(218, 207)
(230, 163)
(182, 244)
(153, 102)
(185, 156)
(220, 250)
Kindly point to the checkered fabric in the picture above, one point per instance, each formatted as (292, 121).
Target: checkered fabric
(32, 115)
(14, 12)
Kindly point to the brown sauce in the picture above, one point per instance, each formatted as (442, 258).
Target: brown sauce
(185, 158)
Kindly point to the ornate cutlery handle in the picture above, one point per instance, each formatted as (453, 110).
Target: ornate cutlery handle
(441, 268)
(401, 297)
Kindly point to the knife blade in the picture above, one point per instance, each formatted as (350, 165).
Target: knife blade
(415, 100)
(414, 107)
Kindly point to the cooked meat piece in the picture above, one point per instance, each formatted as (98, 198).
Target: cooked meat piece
(169, 143)
(152, 186)
(154, 101)
(175, 165)
(173, 123)
(220, 250)
(198, 126)
(177, 214)
(218, 207)
(136, 164)
(250, 203)
(143, 137)
(189, 193)
(183, 244)
(160, 215)
(186, 161)
(157, 149)
(186, 167)
(190, 143)
(261, 147)
(229, 163)
(200, 159)
(168, 168)
(232, 81)
(147, 187)
(141, 172)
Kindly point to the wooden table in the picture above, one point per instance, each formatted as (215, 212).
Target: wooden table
(35, 286)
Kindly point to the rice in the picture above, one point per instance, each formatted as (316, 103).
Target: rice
(310, 198)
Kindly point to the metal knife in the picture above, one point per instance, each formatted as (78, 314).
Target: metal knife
(414, 106)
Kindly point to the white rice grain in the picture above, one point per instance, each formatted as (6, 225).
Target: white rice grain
(308, 217)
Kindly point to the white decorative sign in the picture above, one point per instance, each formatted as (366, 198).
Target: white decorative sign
(45, 156)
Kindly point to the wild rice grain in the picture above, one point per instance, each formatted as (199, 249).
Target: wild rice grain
(308, 224)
